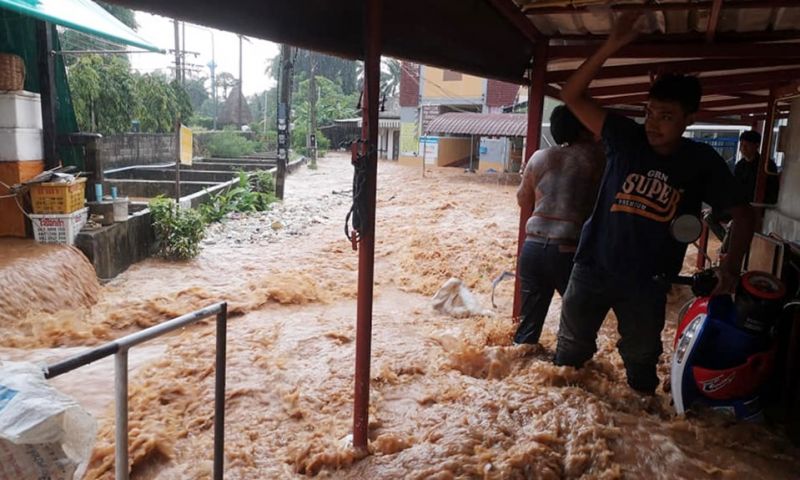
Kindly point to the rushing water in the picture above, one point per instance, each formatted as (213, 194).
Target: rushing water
(450, 398)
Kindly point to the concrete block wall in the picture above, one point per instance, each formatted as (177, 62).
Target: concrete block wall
(128, 149)
(785, 220)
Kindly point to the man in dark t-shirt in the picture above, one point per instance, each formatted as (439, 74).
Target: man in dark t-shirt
(626, 255)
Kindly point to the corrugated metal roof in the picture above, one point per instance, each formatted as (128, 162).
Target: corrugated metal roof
(492, 125)
(738, 48)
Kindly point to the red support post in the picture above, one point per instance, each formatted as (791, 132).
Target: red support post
(373, 16)
(702, 248)
(534, 135)
(769, 123)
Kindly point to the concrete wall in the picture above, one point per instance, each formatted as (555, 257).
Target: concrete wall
(453, 150)
(785, 220)
(438, 90)
(125, 150)
(128, 149)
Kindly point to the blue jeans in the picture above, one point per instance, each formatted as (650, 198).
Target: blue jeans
(639, 307)
(543, 269)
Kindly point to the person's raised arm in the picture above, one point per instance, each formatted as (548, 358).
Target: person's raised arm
(574, 92)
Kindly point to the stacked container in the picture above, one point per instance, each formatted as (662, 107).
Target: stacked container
(21, 153)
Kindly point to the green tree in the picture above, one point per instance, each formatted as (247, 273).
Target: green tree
(108, 96)
(390, 77)
(196, 89)
(332, 104)
(102, 93)
(338, 70)
(159, 103)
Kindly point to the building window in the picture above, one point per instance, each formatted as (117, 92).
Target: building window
(451, 76)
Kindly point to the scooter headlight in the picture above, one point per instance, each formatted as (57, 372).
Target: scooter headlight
(686, 338)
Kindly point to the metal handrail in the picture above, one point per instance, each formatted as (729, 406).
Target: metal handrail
(119, 348)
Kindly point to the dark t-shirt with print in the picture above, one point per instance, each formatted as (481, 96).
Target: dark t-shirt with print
(627, 235)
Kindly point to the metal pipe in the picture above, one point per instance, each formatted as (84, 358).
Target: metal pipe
(366, 253)
(534, 136)
(702, 248)
(121, 346)
(121, 415)
(219, 393)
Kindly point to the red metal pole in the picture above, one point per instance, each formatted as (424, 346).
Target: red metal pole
(366, 254)
(702, 248)
(769, 123)
(535, 111)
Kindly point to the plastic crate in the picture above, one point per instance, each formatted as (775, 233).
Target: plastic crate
(53, 228)
(59, 198)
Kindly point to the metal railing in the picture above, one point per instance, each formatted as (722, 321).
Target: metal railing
(119, 348)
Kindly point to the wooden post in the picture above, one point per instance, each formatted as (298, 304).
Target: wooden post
(284, 114)
(373, 14)
(47, 84)
(766, 151)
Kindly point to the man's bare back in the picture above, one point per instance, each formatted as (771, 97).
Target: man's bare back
(562, 183)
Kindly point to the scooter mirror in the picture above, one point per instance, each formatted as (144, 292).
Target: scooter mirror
(686, 228)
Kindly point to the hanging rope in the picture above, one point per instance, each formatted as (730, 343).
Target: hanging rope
(358, 211)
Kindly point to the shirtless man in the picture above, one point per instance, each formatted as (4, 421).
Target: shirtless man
(561, 183)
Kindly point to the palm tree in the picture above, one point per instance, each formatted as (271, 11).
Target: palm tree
(390, 77)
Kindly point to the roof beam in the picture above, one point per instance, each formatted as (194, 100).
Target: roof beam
(734, 102)
(514, 15)
(673, 50)
(720, 90)
(690, 37)
(713, 20)
(679, 66)
(532, 9)
(741, 81)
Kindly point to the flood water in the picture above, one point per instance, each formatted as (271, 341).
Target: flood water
(449, 398)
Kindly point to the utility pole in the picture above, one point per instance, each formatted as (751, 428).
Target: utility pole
(312, 101)
(284, 111)
(183, 53)
(241, 90)
(265, 113)
(177, 51)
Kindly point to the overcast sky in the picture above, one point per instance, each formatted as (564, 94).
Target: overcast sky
(255, 53)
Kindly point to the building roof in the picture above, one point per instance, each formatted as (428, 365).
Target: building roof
(490, 125)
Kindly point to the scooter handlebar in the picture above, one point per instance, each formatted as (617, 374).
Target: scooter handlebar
(702, 283)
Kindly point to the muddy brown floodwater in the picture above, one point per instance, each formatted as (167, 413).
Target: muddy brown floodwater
(449, 398)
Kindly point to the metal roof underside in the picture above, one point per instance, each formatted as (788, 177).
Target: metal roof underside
(462, 35)
(739, 48)
(492, 125)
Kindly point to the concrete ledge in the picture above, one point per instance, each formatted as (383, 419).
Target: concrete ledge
(114, 248)
(777, 222)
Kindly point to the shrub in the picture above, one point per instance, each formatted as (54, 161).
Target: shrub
(178, 231)
(230, 144)
(248, 195)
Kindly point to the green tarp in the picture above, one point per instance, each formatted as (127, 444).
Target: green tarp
(18, 36)
(82, 15)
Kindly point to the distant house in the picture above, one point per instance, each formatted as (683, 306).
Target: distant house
(473, 131)
(345, 130)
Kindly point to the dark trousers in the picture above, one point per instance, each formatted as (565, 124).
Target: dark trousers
(543, 268)
(640, 309)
